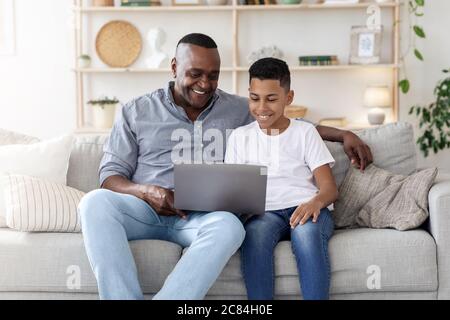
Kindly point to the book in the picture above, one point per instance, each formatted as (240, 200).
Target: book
(318, 60)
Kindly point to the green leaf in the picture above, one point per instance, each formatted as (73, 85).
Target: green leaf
(419, 31)
(418, 14)
(420, 3)
(411, 110)
(404, 85)
(418, 54)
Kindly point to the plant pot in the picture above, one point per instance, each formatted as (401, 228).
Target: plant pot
(103, 115)
(84, 63)
(103, 3)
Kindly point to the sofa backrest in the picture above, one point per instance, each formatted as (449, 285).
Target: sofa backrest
(392, 146)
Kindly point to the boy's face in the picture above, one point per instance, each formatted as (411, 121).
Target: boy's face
(267, 100)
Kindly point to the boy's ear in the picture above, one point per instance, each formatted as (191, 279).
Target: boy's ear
(290, 97)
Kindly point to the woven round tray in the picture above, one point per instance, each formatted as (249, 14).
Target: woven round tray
(118, 44)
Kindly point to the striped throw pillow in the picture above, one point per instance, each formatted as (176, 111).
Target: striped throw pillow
(38, 205)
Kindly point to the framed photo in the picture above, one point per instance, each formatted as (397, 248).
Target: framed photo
(186, 2)
(365, 45)
(7, 32)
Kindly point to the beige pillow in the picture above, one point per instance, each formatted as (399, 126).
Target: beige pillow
(377, 198)
(34, 204)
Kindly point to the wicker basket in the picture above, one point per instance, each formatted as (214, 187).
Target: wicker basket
(103, 3)
(118, 44)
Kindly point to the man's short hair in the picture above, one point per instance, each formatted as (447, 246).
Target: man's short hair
(198, 39)
(271, 69)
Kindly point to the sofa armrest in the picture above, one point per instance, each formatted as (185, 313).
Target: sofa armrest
(439, 205)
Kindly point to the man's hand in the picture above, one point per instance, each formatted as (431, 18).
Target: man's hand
(358, 152)
(304, 212)
(162, 201)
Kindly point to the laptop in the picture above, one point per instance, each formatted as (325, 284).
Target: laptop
(236, 188)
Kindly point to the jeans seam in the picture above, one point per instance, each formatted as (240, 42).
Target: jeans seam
(325, 239)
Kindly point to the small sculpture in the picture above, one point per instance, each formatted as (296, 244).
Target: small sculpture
(156, 38)
(265, 52)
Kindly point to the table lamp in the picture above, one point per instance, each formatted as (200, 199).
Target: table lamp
(376, 98)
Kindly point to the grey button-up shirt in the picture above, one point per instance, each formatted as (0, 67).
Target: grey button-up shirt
(152, 133)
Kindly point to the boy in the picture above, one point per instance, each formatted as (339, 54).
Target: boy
(300, 186)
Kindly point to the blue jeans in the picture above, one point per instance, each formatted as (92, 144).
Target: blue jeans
(109, 220)
(309, 244)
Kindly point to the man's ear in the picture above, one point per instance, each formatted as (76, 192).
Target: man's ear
(173, 65)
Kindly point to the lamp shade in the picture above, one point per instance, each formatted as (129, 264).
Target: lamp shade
(377, 97)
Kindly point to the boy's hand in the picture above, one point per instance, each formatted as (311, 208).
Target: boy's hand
(304, 212)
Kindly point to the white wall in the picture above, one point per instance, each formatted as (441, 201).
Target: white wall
(37, 90)
(36, 85)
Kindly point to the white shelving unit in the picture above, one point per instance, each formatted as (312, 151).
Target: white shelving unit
(81, 10)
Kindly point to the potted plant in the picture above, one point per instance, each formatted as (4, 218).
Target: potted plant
(435, 118)
(103, 112)
(84, 61)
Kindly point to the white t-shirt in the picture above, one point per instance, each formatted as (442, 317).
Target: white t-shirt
(290, 157)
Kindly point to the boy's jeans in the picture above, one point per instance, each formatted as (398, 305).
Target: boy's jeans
(109, 220)
(310, 246)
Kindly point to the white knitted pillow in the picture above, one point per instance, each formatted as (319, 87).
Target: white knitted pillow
(38, 205)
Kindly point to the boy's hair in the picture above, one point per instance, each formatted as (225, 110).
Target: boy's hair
(198, 39)
(271, 69)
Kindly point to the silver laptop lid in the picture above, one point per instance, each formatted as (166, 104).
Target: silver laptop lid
(236, 188)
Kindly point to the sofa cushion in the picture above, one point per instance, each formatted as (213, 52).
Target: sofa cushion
(10, 137)
(46, 262)
(84, 162)
(39, 205)
(407, 261)
(384, 142)
(378, 199)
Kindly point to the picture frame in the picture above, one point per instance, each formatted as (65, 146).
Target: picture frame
(7, 28)
(186, 2)
(365, 45)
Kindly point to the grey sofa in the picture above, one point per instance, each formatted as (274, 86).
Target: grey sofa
(366, 263)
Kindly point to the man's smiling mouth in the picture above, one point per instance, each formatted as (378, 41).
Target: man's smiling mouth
(199, 92)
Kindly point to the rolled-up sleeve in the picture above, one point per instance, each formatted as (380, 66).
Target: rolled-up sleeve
(121, 149)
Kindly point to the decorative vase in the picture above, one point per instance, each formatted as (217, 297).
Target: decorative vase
(103, 115)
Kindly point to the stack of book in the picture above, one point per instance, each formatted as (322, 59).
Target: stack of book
(318, 60)
(140, 3)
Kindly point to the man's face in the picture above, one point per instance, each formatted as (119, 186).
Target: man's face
(196, 71)
(267, 101)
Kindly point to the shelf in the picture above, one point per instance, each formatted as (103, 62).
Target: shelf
(239, 69)
(337, 67)
(235, 7)
(133, 70)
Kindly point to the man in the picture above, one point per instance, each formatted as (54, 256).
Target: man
(136, 176)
